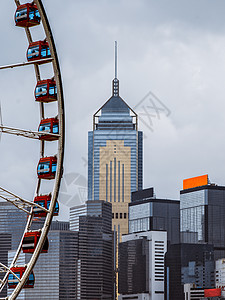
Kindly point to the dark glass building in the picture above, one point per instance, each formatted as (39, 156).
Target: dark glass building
(5, 246)
(96, 251)
(202, 216)
(188, 263)
(56, 271)
(146, 212)
(133, 266)
(12, 224)
(12, 221)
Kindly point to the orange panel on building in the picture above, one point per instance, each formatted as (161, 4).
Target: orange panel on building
(195, 181)
(212, 293)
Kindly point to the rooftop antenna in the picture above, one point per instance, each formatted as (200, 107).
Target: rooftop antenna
(115, 59)
(115, 80)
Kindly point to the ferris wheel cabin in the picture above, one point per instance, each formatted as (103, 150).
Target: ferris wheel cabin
(46, 91)
(27, 15)
(44, 201)
(47, 167)
(50, 125)
(18, 271)
(30, 241)
(38, 50)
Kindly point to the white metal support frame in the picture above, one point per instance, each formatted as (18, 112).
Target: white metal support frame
(4, 269)
(19, 202)
(26, 133)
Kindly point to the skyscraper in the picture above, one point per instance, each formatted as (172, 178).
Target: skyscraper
(188, 263)
(202, 214)
(115, 157)
(95, 275)
(12, 222)
(146, 212)
(141, 265)
(56, 271)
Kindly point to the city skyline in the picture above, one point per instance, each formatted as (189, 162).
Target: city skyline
(177, 117)
(181, 40)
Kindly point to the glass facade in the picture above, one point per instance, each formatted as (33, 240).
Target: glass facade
(139, 217)
(115, 156)
(141, 264)
(155, 214)
(133, 259)
(202, 216)
(12, 222)
(188, 263)
(95, 264)
(56, 271)
(75, 213)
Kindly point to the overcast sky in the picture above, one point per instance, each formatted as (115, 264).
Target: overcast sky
(171, 51)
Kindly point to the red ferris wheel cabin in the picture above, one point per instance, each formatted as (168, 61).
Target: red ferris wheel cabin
(50, 125)
(46, 91)
(47, 167)
(18, 271)
(30, 241)
(27, 15)
(44, 201)
(38, 50)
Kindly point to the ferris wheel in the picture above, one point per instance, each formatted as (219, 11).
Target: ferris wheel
(50, 130)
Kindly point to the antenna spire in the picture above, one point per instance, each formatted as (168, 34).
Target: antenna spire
(115, 59)
(115, 80)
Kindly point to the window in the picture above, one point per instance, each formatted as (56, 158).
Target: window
(54, 167)
(52, 90)
(21, 14)
(125, 215)
(55, 128)
(31, 14)
(45, 127)
(43, 168)
(41, 91)
(33, 52)
(116, 215)
(113, 215)
(121, 216)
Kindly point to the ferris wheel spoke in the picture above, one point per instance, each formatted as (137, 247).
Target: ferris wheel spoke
(5, 269)
(28, 133)
(19, 202)
(27, 63)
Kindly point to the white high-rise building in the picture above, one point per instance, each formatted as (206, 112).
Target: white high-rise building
(141, 260)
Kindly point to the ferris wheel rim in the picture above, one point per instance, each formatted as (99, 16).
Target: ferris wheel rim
(60, 154)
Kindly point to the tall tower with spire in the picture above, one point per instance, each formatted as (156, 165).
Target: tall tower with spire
(115, 156)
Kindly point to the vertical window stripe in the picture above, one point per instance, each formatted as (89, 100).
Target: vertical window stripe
(114, 179)
(106, 183)
(118, 181)
(122, 182)
(110, 183)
